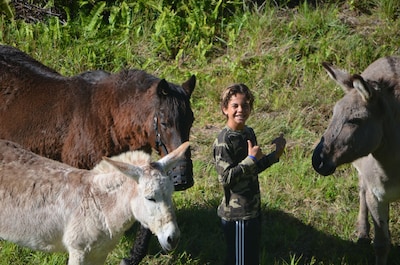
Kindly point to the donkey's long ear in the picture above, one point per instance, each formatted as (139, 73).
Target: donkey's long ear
(131, 171)
(167, 162)
(341, 77)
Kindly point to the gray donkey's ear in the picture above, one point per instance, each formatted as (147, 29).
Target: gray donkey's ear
(167, 162)
(341, 77)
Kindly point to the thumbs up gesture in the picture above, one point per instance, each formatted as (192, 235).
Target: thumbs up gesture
(254, 150)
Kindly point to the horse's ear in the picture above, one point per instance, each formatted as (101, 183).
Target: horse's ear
(131, 171)
(341, 77)
(167, 162)
(163, 87)
(189, 85)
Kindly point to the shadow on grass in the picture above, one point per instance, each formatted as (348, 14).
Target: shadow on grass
(284, 238)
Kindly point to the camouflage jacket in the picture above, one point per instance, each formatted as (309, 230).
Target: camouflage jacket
(238, 174)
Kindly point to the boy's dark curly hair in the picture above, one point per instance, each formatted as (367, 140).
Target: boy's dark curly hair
(233, 90)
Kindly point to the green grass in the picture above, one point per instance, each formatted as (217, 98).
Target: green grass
(277, 51)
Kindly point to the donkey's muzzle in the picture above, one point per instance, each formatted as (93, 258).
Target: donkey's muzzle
(182, 175)
(321, 162)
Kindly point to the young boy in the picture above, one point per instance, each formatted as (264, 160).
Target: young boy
(238, 160)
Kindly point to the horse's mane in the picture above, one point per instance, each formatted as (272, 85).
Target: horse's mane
(144, 80)
(177, 101)
(140, 78)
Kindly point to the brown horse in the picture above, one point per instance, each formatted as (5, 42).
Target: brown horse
(365, 131)
(78, 120)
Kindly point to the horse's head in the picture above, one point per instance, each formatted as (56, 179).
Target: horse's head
(356, 127)
(152, 203)
(152, 114)
(172, 123)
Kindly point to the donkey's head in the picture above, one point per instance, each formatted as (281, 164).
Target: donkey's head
(152, 204)
(356, 127)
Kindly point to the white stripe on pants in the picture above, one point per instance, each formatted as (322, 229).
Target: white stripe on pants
(239, 242)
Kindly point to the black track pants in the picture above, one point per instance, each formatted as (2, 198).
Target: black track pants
(242, 241)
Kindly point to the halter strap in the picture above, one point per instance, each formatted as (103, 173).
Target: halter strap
(159, 142)
(181, 179)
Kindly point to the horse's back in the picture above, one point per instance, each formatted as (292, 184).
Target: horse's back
(23, 81)
(39, 117)
(94, 77)
(21, 63)
(36, 103)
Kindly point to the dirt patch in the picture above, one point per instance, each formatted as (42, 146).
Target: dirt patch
(33, 13)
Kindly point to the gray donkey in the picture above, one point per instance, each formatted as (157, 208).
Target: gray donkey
(365, 131)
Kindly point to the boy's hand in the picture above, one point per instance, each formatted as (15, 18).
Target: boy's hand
(254, 150)
(280, 144)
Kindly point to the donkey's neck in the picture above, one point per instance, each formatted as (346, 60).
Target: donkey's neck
(389, 150)
(113, 193)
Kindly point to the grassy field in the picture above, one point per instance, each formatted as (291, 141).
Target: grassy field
(277, 51)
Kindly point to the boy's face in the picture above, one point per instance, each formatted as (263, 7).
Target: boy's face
(237, 111)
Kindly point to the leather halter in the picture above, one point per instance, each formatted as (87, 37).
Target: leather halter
(159, 142)
(182, 173)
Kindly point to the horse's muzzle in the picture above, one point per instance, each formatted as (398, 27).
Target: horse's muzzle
(182, 175)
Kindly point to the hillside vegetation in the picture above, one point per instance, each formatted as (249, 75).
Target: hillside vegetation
(276, 48)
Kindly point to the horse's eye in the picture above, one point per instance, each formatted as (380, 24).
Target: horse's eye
(163, 124)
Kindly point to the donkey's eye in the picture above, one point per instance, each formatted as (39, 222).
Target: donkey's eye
(151, 198)
(355, 121)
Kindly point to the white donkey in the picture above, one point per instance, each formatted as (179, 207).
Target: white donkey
(49, 206)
